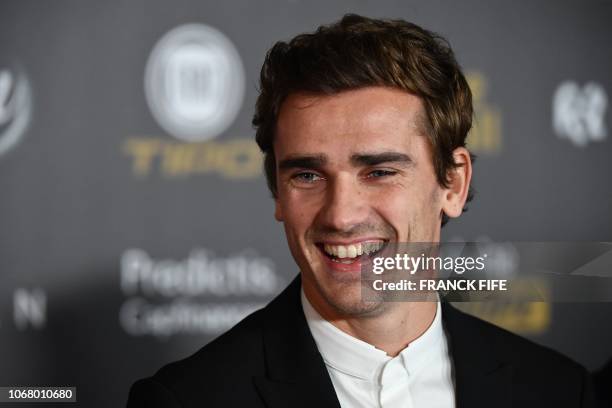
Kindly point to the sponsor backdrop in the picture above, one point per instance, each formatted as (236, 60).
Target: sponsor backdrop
(135, 225)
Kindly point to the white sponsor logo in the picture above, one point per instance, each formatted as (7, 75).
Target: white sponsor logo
(15, 108)
(503, 258)
(30, 308)
(194, 82)
(203, 293)
(202, 273)
(140, 317)
(578, 114)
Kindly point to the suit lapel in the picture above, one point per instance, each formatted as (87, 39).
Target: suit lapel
(296, 375)
(482, 377)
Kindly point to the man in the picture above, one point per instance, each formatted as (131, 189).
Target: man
(363, 126)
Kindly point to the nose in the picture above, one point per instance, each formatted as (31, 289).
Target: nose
(345, 205)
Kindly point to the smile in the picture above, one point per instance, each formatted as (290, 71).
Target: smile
(350, 253)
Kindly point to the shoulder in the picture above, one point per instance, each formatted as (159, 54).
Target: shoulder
(221, 373)
(538, 373)
(224, 367)
(510, 347)
(234, 350)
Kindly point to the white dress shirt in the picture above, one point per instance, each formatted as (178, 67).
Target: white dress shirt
(365, 377)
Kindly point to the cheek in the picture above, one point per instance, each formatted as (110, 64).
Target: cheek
(412, 211)
(298, 214)
(396, 208)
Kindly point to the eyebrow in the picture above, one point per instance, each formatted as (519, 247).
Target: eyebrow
(364, 159)
(308, 162)
(373, 159)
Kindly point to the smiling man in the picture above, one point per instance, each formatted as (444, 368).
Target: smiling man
(354, 173)
(363, 125)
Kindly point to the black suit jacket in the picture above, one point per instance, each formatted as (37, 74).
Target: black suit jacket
(270, 360)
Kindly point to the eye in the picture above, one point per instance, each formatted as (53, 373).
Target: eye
(378, 173)
(307, 177)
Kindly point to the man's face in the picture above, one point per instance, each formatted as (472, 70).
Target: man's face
(354, 172)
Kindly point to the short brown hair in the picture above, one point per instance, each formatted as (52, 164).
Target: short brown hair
(358, 52)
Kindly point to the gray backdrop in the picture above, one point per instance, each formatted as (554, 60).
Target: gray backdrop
(135, 230)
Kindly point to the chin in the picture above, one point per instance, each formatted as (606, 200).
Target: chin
(347, 300)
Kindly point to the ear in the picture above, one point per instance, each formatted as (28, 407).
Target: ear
(454, 196)
(278, 212)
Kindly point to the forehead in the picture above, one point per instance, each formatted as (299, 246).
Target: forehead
(374, 118)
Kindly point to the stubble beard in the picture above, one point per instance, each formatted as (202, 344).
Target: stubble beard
(347, 299)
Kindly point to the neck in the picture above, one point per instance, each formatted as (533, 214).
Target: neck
(390, 330)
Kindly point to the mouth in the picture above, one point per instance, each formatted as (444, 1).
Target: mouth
(355, 252)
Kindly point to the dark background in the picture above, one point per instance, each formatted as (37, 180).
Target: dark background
(72, 201)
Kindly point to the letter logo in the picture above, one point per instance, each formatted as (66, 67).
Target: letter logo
(15, 107)
(486, 133)
(194, 82)
(578, 114)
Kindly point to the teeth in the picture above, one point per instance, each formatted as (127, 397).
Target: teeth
(353, 250)
(370, 247)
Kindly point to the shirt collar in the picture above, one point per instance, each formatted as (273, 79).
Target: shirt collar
(357, 358)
